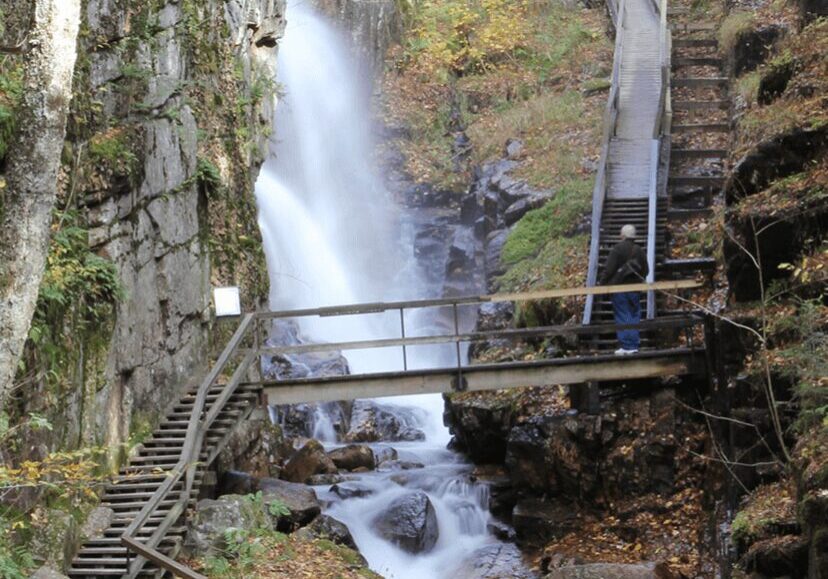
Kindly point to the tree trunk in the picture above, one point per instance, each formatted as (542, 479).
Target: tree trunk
(33, 162)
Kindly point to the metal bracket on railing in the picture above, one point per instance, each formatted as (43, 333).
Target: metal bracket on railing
(402, 335)
(459, 383)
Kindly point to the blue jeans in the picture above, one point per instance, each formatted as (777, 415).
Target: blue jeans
(627, 308)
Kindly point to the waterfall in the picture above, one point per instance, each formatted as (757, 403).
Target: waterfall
(333, 235)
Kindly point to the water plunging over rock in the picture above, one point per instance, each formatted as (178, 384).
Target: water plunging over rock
(333, 235)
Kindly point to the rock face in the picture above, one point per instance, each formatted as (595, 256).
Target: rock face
(612, 571)
(352, 457)
(481, 427)
(307, 461)
(409, 522)
(373, 24)
(495, 202)
(144, 89)
(629, 448)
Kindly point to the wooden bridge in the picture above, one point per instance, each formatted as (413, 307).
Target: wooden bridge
(162, 480)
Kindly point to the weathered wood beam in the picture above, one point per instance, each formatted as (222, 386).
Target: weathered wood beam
(485, 377)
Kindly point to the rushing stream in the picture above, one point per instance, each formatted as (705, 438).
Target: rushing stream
(333, 235)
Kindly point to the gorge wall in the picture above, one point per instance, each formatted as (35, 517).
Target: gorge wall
(168, 127)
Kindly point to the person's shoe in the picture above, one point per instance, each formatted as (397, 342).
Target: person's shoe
(625, 352)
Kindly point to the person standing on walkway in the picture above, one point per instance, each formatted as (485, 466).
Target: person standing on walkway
(626, 263)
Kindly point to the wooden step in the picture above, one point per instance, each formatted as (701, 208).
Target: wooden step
(702, 127)
(693, 26)
(697, 82)
(698, 153)
(695, 42)
(705, 180)
(685, 214)
(679, 61)
(701, 105)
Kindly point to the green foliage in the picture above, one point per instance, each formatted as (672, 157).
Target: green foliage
(805, 360)
(76, 301)
(208, 176)
(733, 27)
(555, 43)
(553, 220)
(747, 86)
(458, 37)
(278, 508)
(113, 150)
(11, 91)
(15, 560)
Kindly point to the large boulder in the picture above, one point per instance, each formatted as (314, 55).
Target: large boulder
(206, 533)
(494, 562)
(613, 571)
(325, 527)
(255, 446)
(372, 422)
(300, 501)
(352, 457)
(309, 460)
(350, 490)
(409, 522)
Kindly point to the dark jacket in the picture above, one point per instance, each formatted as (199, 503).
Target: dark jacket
(626, 263)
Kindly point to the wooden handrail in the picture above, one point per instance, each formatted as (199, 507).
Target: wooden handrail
(379, 307)
(599, 192)
(200, 423)
(186, 466)
(659, 126)
(674, 322)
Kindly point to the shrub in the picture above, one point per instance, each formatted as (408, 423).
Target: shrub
(733, 27)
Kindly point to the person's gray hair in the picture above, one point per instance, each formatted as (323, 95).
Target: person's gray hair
(628, 232)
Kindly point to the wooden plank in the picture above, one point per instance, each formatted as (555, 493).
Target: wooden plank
(707, 127)
(482, 378)
(701, 105)
(695, 42)
(699, 153)
(713, 81)
(161, 560)
(599, 290)
(508, 334)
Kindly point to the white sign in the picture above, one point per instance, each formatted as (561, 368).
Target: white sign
(227, 301)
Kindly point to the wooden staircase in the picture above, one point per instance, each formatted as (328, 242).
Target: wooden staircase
(701, 116)
(140, 479)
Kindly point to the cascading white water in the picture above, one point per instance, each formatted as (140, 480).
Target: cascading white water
(333, 236)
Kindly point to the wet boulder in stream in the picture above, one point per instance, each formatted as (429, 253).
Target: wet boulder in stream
(325, 527)
(308, 461)
(409, 522)
(353, 456)
(372, 422)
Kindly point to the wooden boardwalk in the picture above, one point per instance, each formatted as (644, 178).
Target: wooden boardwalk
(627, 188)
(630, 159)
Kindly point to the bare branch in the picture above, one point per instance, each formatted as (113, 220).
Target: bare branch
(734, 463)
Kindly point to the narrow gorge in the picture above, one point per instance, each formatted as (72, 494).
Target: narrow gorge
(412, 196)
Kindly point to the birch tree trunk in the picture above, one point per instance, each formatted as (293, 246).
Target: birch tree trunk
(33, 162)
